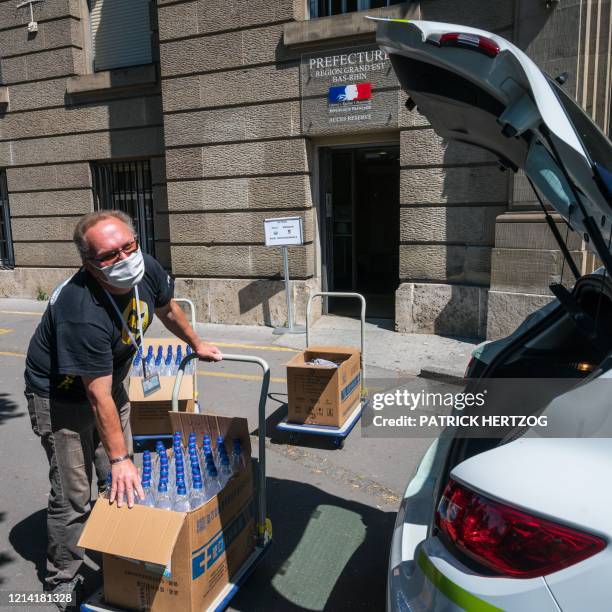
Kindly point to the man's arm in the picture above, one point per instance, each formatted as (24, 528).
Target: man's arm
(125, 474)
(174, 319)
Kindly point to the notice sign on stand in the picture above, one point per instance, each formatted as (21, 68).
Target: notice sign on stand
(285, 231)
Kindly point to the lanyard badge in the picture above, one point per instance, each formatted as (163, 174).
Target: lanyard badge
(150, 384)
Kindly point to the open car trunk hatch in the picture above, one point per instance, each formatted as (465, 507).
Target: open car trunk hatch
(478, 88)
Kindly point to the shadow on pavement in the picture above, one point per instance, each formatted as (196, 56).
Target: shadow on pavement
(328, 553)
(5, 558)
(8, 408)
(29, 540)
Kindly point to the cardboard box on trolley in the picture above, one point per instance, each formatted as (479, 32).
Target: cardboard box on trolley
(320, 395)
(161, 560)
(149, 415)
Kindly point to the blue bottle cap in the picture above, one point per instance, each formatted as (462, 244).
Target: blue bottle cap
(212, 471)
(181, 490)
(197, 484)
(163, 486)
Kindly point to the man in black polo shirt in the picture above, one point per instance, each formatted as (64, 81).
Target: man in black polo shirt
(78, 359)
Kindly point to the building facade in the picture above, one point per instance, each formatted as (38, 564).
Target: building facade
(202, 118)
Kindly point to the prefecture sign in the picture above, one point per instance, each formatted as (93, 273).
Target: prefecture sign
(348, 90)
(285, 231)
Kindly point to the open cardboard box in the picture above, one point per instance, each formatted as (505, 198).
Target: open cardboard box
(319, 395)
(161, 560)
(149, 415)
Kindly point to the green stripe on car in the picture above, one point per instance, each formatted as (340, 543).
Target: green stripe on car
(453, 591)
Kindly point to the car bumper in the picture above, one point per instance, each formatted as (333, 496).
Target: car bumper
(436, 581)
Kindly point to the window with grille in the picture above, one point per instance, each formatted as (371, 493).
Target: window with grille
(126, 186)
(325, 8)
(7, 259)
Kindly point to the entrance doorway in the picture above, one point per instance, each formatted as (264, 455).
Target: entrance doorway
(360, 226)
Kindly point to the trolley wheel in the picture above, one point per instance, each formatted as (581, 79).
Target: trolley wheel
(339, 443)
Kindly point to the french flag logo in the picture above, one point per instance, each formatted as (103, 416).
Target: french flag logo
(350, 93)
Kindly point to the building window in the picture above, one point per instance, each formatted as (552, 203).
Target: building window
(120, 33)
(7, 259)
(325, 8)
(126, 186)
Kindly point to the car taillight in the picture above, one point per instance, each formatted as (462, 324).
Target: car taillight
(507, 540)
(471, 41)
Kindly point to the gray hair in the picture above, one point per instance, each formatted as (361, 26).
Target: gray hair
(92, 218)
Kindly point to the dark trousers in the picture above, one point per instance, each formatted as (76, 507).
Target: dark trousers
(69, 436)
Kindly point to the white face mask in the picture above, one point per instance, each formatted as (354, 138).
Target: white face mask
(125, 273)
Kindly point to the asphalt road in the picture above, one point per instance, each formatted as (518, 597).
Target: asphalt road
(332, 510)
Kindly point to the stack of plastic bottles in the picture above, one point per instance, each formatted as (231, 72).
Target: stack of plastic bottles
(185, 479)
(163, 364)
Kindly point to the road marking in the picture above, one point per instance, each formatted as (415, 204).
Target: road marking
(200, 372)
(9, 354)
(263, 347)
(22, 312)
(5, 330)
(239, 376)
(255, 347)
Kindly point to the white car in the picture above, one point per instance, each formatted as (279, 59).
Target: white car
(520, 521)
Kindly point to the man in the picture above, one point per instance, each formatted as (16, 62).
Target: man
(78, 359)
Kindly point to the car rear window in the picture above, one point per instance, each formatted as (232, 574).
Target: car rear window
(595, 142)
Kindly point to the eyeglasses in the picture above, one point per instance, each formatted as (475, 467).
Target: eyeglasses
(108, 259)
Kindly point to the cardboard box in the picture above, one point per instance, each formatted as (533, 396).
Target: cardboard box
(149, 415)
(323, 395)
(163, 561)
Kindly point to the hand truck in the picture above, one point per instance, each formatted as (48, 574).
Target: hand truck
(338, 434)
(263, 523)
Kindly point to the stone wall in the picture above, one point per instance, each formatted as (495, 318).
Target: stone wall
(450, 197)
(574, 37)
(235, 154)
(60, 117)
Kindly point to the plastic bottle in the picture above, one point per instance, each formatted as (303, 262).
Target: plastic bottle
(198, 495)
(220, 449)
(162, 500)
(107, 485)
(191, 366)
(149, 498)
(167, 369)
(181, 500)
(225, 470)
(237, 460)
(213, 485)
(136, 366)
(158, 367)
(179, 358)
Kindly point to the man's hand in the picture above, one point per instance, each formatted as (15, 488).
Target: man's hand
(125, 480)
(208, 352)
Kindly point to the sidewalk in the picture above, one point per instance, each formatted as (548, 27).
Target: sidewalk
(426, 355)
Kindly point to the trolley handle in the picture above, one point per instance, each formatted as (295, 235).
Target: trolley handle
(191, 309)
(261, 429)
(357, 296)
